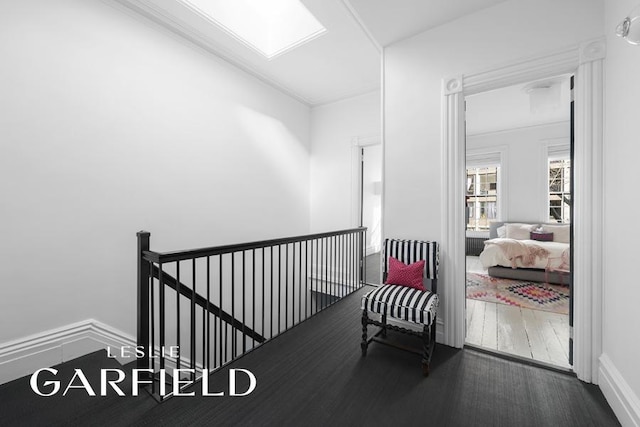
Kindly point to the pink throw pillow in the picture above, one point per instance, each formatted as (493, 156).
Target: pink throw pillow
(405, 275)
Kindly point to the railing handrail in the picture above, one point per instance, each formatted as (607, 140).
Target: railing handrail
(162, 257)
(262, 283)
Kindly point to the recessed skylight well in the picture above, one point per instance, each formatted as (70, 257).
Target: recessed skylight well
(270, 27)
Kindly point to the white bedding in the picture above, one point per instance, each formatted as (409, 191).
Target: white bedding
(548, 255)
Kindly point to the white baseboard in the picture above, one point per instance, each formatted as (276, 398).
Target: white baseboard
(26, 355)
(619, 395)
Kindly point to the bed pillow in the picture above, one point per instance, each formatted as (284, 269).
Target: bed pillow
(519, 231)
(405, 275)
(541, 236)
(501, 231)
(560, 232)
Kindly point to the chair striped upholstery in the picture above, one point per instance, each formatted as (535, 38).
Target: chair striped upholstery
(401, 302)
(410, 251)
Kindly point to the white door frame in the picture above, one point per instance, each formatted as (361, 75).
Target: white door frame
(586, 62)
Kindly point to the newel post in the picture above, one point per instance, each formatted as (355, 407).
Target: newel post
(144, 272)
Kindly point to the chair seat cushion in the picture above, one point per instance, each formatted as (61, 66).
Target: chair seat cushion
(402, 302)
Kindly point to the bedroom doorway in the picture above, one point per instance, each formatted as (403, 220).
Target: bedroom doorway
(519, 143)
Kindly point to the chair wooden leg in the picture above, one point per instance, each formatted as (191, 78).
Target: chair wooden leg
(365, 342)
(425, 369)
(426, 349)
(384, 326)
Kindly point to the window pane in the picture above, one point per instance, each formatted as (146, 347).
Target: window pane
(559, 200)
(482, 195)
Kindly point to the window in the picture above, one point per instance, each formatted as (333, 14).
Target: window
(482, 197)
(270, 27)
(559, 190)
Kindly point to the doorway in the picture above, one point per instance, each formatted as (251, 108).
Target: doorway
(370, 204)
(586, 62)
(518, 145)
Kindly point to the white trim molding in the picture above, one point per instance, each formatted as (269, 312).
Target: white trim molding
(618, 393)
(452, 252)
(26, 355)
(588, 211)
(586, 63)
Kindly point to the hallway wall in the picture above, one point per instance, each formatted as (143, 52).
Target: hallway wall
(333, 129)
(109, 125)
(621, 153)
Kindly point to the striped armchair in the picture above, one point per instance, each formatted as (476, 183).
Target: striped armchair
(402, 303)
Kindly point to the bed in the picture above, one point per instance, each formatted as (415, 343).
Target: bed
(528, 251)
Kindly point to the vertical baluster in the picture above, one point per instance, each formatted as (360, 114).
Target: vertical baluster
(318, 247)
(222, 347)
(364, 255)
(162, 315)
(349, 271)
(360, 260)
(329, 262)
(279, 286)
(263, 295)
(208, 317)
(178, 314)
(308, 258)
(329, 274)
(271, 293)
(356, 258)
(350, 251)
(142, 298)
(148, 350)
(341, 261)
(244, 303)
(192, 326)
(300, 282)
(233, 304)
(286, 286)
(335, 266)
(293, 284)
(345, 258)
(325, 263)
(321, 278)
(329, 271)
(253, 297)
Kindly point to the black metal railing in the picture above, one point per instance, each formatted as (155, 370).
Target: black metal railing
(200, 309)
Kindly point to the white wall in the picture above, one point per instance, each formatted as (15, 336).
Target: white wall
(414, 69)
(109, 125)
(524, 165)
(372, 197)
(333, 128)
(622, 152)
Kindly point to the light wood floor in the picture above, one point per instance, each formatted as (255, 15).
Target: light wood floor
(539, 335)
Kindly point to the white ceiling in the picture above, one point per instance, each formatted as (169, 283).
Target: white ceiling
(389, 21)
(343, 62)
(511, 108)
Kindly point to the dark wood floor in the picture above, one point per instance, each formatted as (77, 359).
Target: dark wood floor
(314, 375)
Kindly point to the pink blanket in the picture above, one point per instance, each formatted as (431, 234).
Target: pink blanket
(527, 253)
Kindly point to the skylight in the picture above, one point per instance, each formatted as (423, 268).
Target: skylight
(271, 27)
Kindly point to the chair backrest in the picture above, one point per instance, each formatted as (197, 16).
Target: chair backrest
(410, 251)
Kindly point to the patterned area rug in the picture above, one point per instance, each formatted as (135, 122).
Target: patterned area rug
(533, 295)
